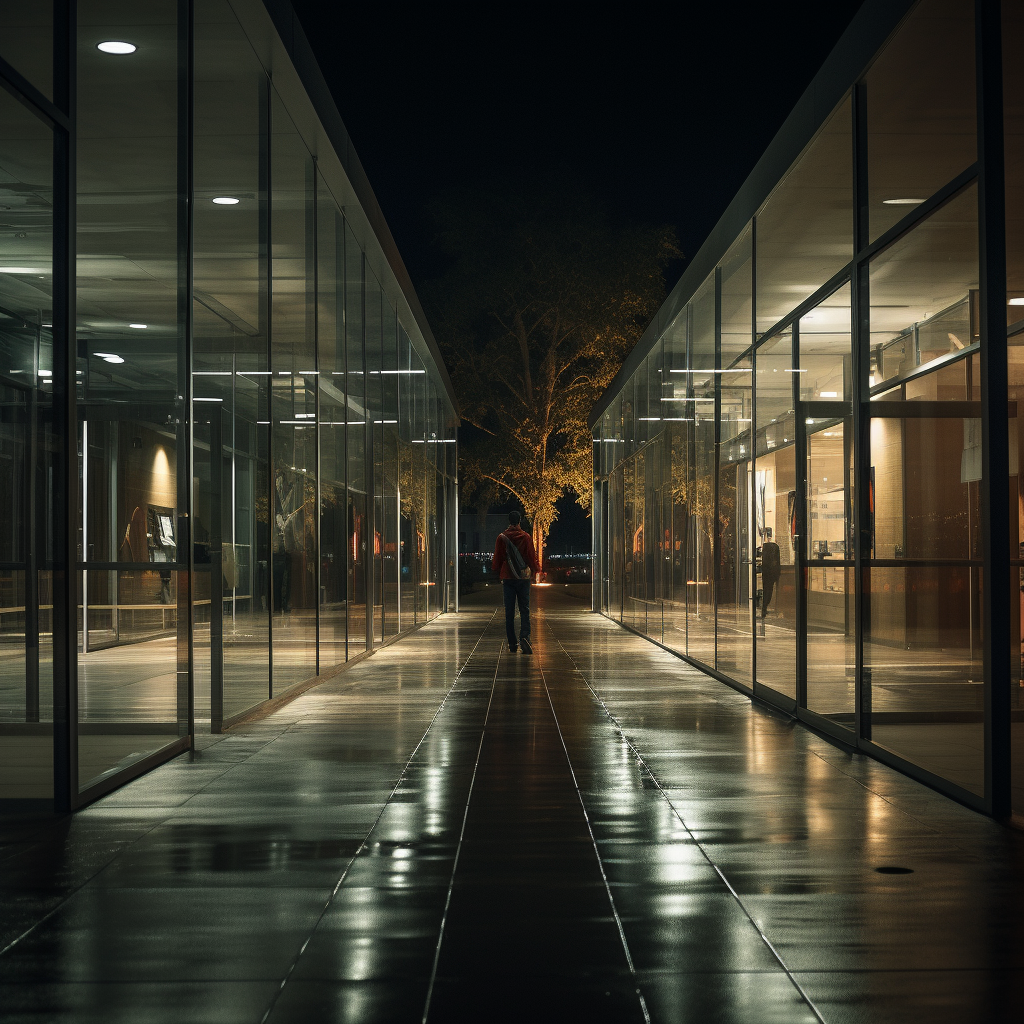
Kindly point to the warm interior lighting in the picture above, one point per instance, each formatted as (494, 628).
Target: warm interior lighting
(902, 202)
(1013, 302)
(830, 394)
(116, 46)
(226, 201)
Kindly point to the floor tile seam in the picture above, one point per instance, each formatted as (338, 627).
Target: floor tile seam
(597, 852)
(458, 848)
(736, 896)
(387, 803)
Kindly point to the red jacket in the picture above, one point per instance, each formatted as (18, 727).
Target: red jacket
(524, 542)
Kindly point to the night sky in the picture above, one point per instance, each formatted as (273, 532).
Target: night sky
(659, 112)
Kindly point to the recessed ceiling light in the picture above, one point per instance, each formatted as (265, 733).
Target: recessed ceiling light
(139, 327)
(1013, 302)
(116, 46)
(46, 373)
(110, 357)
(902, 202)
(830, 394)
(226, 201)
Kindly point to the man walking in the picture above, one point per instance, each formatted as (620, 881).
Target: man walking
(516, 559)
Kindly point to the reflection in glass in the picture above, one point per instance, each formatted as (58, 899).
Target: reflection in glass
(921, 110)
(693, 399)
(355, 398)
(775, 515)
(28, 454)
(1013, 138)
(331, 387)
(26, 42)
(293, 410)
(923, 642)
(805, 231)
(923, 293)
(230, 372)
(132, 435)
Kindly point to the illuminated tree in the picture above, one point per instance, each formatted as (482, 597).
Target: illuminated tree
(542, 303)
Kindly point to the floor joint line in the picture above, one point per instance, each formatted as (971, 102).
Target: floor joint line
(376, 822)
(764, 938)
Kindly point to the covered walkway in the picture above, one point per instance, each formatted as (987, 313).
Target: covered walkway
(450, 833)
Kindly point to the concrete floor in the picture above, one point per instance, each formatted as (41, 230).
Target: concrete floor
(447, 832)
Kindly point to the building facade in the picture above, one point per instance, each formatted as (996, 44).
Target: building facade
(807, 475)
(227, 442)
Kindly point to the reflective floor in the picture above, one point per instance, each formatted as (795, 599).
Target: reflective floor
(452, 833)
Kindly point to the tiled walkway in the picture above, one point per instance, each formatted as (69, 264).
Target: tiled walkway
(450, 833)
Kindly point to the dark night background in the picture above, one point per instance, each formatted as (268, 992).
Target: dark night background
(658, 112)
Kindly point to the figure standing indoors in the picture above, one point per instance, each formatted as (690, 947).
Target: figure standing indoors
(771, 571)
(515, 559)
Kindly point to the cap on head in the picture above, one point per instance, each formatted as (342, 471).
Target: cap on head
(513, 519)
(768, 533)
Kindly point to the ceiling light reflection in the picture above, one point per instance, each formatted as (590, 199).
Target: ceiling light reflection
(116, 46)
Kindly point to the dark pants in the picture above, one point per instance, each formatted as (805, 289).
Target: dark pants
(516, 590)
(768, 587)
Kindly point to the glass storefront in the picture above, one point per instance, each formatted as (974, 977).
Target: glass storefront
(195, 300)
(821, 527)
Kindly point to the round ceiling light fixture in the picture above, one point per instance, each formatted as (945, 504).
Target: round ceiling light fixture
(902, 202)
(226, 201)
(116, 46)
(139, 327)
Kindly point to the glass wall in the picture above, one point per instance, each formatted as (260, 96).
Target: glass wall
(828, 415)
(264, 433)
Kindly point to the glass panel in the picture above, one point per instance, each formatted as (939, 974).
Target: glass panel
(1013, 137)
(356, 440)
(678, 433)
(831, 634)
(737, 300)
(735, 590)
(923, 292)
(699, 405)
(26, 42)
(826, 361)
(389, 465)
(617, 535)
(420, 503)
(331, 356)
(28, 456)
(407, 499)
(774, 515)
(921, 110)
(230, 364)
(294, 403)
(1013, 106)
(132, 432)
(805, 231)
(375, 435)
(825, 384)
(923, 643)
